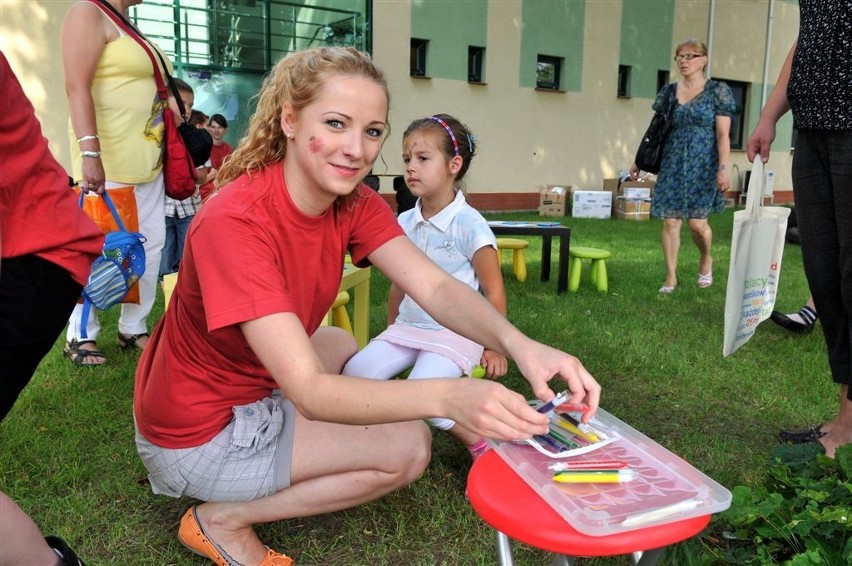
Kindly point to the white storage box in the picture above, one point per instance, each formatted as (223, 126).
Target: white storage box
(637, 193)
(591, 204)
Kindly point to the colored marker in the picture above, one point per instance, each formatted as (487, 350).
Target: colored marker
(562, 439)
(585, 430)
(550, 443)
(558, 400)
(587, 476)
(589, 465)
(573, 407)
(661, 513)
(574, 429)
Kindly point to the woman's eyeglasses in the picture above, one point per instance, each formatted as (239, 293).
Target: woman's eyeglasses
(687, 56)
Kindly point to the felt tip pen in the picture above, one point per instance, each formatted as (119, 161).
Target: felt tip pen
(587, 476)
(585, 430)
(561, 438)
(558, 400)
(573, 408)
(574, 429)
(589, 465)
(661, 513)
(550, 443)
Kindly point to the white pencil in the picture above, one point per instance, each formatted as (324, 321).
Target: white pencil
(661, 513)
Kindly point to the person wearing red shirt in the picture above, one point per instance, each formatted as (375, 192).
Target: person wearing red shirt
(218, 127)
(239, 398)
(42, 273)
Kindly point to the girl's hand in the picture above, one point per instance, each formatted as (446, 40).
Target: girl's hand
(496, 365)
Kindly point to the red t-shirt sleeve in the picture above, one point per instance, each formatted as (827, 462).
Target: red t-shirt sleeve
(373, 225)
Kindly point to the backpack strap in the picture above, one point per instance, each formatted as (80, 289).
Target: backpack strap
(110, 206)
(111, 12)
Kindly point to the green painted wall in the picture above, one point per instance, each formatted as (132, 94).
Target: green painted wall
(554, 28)
(646, 43)
(450, 26)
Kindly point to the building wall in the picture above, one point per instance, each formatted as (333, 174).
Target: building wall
(29, 37)
(585, 133)
(527, 137)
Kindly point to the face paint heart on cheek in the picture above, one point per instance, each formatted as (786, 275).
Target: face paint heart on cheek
(314, 144)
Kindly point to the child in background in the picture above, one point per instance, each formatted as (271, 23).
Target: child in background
(437, 152)
(179, 213)
(218, 127)
(198, 119)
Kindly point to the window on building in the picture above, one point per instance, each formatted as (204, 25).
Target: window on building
(740, 90)
(662, 79)
(247, 35)
(475, 58)
(624, 81)
(547, 72)
(418, 57)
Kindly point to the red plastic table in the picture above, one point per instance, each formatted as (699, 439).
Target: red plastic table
(504, 501)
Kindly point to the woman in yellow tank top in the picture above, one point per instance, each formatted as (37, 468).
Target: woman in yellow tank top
(116, 132)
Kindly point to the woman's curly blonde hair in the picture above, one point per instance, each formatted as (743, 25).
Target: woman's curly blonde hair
(297, 79)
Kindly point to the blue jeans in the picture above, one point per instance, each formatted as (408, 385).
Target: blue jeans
(176, 229)
(822, 185)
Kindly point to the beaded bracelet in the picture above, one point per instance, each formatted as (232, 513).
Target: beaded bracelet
(93, 154)
(88, 137)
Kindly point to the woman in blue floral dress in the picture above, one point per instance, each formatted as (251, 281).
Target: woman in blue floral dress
(694, 173)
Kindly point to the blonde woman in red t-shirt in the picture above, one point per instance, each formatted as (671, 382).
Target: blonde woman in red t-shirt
(239, 398)
(218, 127)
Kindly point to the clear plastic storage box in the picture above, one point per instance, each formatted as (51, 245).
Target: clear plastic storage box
(664, 489)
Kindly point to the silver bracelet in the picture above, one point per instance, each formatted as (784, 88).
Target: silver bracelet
(92, 154)
(88, 137)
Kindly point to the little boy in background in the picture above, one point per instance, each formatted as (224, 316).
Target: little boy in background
(179, 213)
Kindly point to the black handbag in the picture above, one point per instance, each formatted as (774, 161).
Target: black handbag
(649, 156)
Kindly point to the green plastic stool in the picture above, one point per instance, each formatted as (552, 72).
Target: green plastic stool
(575, 268)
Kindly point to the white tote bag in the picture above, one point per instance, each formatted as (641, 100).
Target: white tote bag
(756, 249)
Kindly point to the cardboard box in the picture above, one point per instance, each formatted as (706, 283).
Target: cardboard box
(591, 204)
(640, 184)
(633, 209)
(553, 200)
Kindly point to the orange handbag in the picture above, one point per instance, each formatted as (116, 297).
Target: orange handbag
(125, 202)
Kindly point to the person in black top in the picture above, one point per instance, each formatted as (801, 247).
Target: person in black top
(816, 83)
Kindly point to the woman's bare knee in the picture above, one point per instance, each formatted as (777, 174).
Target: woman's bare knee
(334, 346)
(411, 452)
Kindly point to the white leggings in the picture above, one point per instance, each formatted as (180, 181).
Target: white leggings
(383, 360)
(150, 203)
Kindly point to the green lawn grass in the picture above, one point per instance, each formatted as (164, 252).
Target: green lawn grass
(67, 453)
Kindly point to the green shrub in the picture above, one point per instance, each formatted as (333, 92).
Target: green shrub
(801, 515)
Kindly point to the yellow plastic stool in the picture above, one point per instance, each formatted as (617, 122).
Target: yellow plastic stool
(575, 268)
(339, 316)
(519, 260)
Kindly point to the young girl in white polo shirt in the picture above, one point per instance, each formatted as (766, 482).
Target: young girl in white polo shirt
(437, 152)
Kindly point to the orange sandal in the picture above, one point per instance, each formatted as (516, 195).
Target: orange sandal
(191, 534)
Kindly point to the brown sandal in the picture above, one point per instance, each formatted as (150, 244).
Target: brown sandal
(128, 341)
(78, 355)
